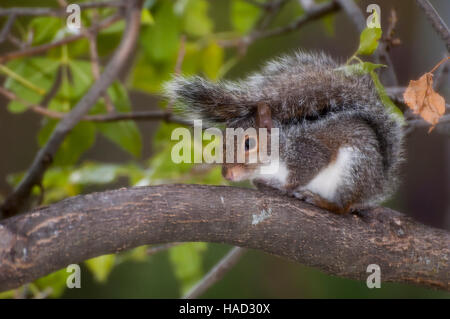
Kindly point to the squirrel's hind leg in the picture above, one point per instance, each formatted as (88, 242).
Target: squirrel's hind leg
(316, 200)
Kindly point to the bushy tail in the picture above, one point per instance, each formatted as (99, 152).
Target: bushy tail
(214, 103)
(389, 134)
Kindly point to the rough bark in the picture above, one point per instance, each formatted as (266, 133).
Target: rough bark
(78, 228)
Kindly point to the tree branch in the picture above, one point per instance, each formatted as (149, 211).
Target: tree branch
(7, 27)
(47, 46)
(39, 11)
(78, 228)
(43, 159)
(310, 15)
(436, 21)
(313, 14)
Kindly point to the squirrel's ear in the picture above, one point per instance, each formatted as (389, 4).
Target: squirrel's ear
(263, 116)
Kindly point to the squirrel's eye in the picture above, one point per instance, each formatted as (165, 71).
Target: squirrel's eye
(250, 143)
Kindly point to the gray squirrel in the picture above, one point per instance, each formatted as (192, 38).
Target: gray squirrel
(339, 148)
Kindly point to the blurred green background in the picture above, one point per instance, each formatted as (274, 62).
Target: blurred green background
(98, 156)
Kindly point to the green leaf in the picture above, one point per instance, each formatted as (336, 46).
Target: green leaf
(192, 59)
(56, 281)
(243, 15)
(388, 104)
(212, 60)
(146, 17)
(160, 40)
(91, 173)
(79, 140)
(124, 134)
(186, 261)
(9, 294)
(359, 68)
(101, 266)
(57, 186)
(45, 28)
(76, 79)
(82, 77)
(195, 20)
(40, 72)
(149, 76)
(164, 167)
(138, 254)
(161, 163)
(368, 41)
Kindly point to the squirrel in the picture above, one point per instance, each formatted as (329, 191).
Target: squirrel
(340, 149)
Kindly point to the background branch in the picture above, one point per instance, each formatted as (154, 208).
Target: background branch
(38, 11)
(78, 228)
(436, 21)
(7, 27)
(216, 273)
(47, 46)
(310, 15)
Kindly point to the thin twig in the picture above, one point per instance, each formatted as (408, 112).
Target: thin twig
(273, 7)
(178, 65)
(439, 64)
(7, 27)
(314, 14)
(39, 11)
(216, 273)
(16, 41)
(389, 38)
(45, 47)
(95, 66)
(16, 200)
(436, 21)
(440, 76)
(166, 116)
(181, 54)
(420, 123)
(161, 115)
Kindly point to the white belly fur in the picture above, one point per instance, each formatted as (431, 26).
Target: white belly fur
(327, 181)
(275, 171)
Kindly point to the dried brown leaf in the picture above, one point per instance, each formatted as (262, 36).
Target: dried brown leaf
(423, 100)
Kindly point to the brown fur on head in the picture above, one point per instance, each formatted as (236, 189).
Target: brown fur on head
(236, 171)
